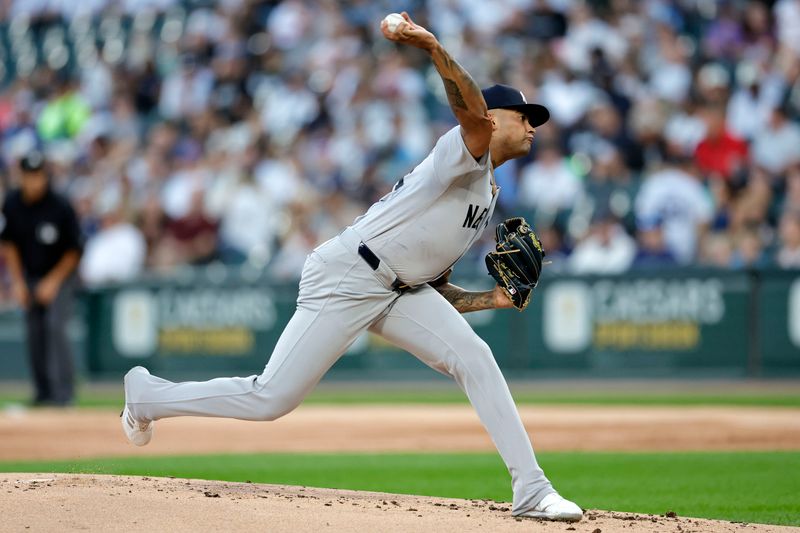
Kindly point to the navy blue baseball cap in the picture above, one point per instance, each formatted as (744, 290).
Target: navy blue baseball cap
(32, 162)
(505, 97)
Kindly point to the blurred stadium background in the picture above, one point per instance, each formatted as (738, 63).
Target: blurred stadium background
(209, 146)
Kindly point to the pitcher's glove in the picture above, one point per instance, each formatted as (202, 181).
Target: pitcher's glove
(516, 262)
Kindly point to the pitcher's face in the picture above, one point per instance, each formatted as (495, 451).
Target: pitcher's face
(513, 133)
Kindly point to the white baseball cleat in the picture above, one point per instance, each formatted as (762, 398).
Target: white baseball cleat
(555, 507)
(138, 432)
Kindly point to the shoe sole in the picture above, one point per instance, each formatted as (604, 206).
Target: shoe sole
(552, 517)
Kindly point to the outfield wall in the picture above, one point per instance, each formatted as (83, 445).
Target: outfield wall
(692, 323)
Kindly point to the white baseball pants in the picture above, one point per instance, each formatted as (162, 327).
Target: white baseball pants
(341, 296)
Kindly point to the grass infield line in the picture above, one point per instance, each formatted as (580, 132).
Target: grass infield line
(453, 396)
(739, 486)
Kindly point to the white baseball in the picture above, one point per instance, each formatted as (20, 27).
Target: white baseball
(393, 20)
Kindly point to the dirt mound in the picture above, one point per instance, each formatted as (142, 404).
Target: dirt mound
(69, 502)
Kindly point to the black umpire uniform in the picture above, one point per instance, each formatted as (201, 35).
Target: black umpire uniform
(41, 240)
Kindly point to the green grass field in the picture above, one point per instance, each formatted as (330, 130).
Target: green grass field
(740, 486)
(748, 486)
(112, 397)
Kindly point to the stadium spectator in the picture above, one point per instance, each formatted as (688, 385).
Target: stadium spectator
(249, 223)
(719, 155)
(178, 97)
(608, 249)
(751, 104)
(296, 244)
(605, 134)
(777, 146)
(788, 254)
(567, 96)
(724, 37)
(791, 197)
(186, 91)
(648, 119)
(653, 252)
(787, 19)
(750, 210)
(716, 250)
(116, 253)
(712, 85)
(153, 223)
(722, 195)
(193, 236)
(552, 239)
(611, 183)
(685, 129)
(65, 113)
(670, 75)
(550, 182)
(748, 251)
(675, 198)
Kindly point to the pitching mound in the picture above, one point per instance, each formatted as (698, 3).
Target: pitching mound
(69, 502)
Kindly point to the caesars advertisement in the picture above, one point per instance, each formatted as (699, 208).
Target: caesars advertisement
(638, 314)
(210, 321)
(709, 320)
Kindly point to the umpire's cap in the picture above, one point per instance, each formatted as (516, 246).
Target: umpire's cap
(32, 162)
(505, 97)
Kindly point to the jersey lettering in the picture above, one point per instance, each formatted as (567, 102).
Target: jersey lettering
(480, 219)
(472, 219)
(470, 216)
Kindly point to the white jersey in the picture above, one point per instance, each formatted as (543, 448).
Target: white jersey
(433, 214)
(681, 203)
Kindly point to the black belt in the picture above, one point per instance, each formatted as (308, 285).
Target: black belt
(372, 260)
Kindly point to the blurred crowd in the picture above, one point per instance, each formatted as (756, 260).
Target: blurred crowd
(245, 132)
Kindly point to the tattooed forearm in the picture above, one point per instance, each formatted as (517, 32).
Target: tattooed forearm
(466, 301)
(463, 93)
(454, 95)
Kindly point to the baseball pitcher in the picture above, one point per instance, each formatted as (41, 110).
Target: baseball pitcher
(387, 273)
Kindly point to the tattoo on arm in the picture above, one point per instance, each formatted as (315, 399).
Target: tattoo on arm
(454, 95)
(463, 93)
(467, 301)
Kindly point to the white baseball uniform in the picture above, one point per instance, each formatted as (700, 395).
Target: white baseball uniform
(417, 231)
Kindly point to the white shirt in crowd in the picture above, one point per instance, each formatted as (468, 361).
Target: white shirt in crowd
(114, 254)
(685, 130)
(671, 81)
(568, 101)
(777, 149)
(176, 195)
(787, 20)
(286, 110)
(594, 256)
(250, 221)
(549, 186)
(185, 92)
(681, 203)
(748, 113)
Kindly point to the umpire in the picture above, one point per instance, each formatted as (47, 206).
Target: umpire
(41, 241)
